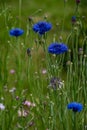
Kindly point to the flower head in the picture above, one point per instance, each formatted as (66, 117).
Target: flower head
(28, 104)
(77, 1)
(16, 32)
(12, 71)
(56, 83)
(44, 71)
(23, 113)
(81, 51)
(2, 107)
(57, 48)
(75, 106)
(42, 27)
(12, 90)
(73, 19)
(28, 51)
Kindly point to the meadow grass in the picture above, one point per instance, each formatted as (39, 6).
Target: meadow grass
(35, 86)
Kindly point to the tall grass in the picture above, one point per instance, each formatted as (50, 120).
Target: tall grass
(35, 86)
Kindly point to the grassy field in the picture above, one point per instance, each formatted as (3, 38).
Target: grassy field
(57, 12)
(37, 86)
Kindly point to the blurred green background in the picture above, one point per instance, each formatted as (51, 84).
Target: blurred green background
(14, 13)
(54, 9)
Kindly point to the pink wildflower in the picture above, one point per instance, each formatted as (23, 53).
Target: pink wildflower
(12, 71)
(44, 71)
(29, 104)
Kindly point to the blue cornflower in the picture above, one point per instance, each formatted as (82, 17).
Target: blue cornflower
(73, 19)
(42, 27)
(76, 107)
(57, 48)
(16, 32)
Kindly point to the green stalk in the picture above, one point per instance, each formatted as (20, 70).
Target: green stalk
(74, 121)
(64, 17)
(20, 8)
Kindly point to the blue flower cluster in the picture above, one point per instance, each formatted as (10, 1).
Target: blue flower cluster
(57, 48)
(42, 27)
(16, 32)
(76, 107)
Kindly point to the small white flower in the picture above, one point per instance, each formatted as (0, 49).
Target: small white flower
(2, 98)
(2, 107)
(22, 113)
(44, 71)
(12, 90)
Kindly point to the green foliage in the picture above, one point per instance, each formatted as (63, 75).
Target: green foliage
(47, 82)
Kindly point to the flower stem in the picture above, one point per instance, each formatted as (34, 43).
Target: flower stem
(20, 7)
(74, 121)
